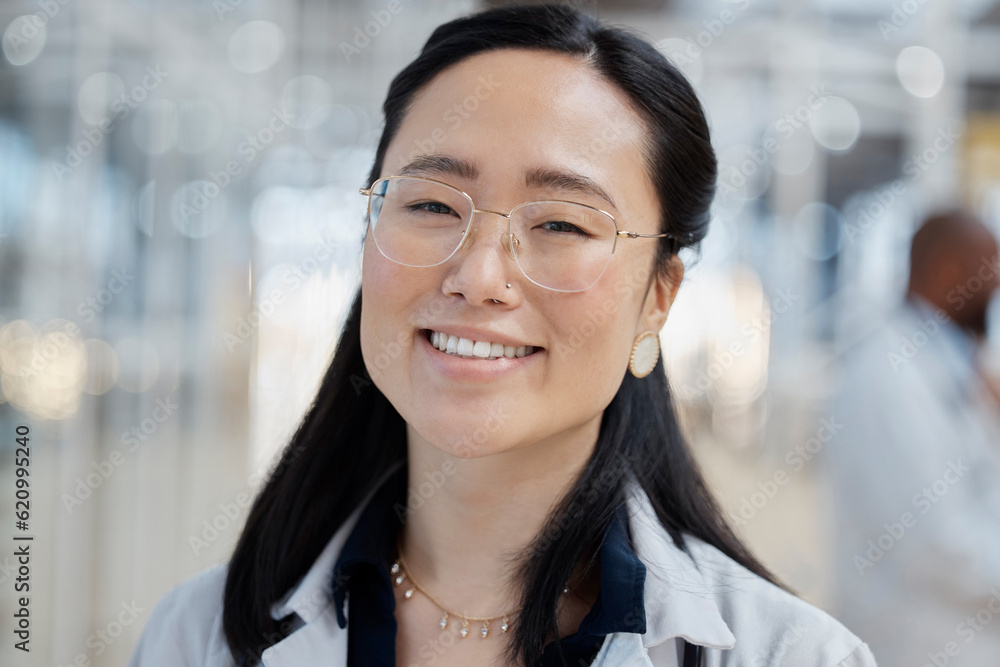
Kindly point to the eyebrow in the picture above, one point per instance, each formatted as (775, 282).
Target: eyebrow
(538, 177)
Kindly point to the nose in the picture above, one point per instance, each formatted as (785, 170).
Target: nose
(480, 272)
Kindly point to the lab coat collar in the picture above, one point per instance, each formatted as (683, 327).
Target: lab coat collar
(677, 598)
(320, 640)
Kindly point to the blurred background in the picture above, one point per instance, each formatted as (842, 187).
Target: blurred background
(180, 232)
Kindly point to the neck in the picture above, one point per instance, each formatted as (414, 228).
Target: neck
(460, 541)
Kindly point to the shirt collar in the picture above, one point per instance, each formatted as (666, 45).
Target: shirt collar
(620, 606)
(676, 601)
(373, 538)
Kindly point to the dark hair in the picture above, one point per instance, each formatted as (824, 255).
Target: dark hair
(354, 435)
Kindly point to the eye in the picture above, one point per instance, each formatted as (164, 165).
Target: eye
(432, 207)
(563, 227)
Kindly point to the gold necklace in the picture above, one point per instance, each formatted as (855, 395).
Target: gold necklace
(401, 573)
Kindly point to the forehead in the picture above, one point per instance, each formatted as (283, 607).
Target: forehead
(514, 112)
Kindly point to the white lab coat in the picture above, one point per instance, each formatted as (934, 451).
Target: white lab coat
(710, 600)
(911, 565)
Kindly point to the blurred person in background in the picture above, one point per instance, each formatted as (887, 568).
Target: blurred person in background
(527, 471)
(915, 469)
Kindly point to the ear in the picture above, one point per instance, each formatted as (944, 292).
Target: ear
(660, 296)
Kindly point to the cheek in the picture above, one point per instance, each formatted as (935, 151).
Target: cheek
(383, 282)
(372, 298)
(380, 324)
(592, 343)
(598, 331)
(374, 266)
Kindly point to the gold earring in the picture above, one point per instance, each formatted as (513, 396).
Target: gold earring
(645, 352)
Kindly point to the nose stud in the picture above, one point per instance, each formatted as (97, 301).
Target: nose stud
(494, 300)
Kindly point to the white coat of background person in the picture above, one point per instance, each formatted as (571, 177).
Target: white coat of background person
(915, 469)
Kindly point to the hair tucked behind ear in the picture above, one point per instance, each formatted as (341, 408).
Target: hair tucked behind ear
(352, 434)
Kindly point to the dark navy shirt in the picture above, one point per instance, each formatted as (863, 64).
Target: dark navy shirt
(363, 570)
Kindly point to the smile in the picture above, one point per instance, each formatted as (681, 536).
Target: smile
(466, 348)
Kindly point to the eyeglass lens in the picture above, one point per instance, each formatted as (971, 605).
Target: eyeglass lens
(558, 245)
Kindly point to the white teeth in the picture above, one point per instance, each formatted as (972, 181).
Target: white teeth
(464, 347)
(480, 349)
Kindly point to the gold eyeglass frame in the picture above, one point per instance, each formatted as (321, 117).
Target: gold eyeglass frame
(509, 240)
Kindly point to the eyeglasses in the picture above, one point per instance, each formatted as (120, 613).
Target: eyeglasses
(558, 245)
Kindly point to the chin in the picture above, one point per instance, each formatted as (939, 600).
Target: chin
(467, 429)
(464, 436)
(464, 451)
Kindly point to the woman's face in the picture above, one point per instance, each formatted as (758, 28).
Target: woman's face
(504, 114)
